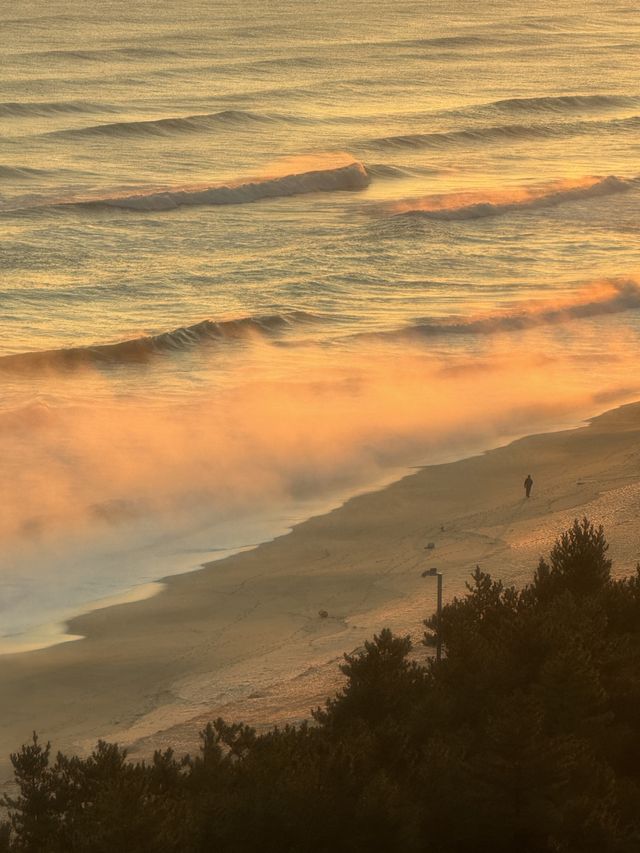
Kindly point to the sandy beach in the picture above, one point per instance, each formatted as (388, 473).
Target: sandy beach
(243, 638)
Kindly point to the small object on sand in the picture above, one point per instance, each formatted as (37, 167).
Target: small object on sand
(442, 527)
(323, 614)
(429, 572)
(430, 546)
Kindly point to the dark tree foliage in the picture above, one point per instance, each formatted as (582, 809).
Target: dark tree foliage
(525, 737)
(577, 562)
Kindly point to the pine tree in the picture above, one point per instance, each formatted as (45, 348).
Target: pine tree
(577, 563)
(32, 814)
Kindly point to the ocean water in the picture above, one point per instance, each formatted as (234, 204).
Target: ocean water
(258, 257)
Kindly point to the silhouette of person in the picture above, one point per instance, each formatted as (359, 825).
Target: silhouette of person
(527, 485)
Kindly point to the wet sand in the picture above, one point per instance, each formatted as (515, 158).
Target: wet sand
(243, 638)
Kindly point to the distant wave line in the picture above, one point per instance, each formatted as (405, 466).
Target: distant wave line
(441, 42)
(22, 109)
(497, 133)
(22, 172)
(562, 103)
(126, 54)
(174, 124)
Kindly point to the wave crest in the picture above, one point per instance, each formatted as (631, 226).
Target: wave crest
(15, 173)
(349, 177)
(613, 297)
(145, 348)
(500, 133)
(172, 125)
(476, 205)
(565, 103)
(17, 109)
(124, 54)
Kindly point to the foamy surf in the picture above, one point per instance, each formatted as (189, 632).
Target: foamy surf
(480, 204)
(615, 297)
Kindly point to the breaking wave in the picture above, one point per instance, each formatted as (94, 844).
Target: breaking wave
(144, 349)
(462, 206)
(349, 177)
(613, 298)
(168, 126)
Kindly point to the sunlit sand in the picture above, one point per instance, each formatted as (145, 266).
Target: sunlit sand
(243, 638)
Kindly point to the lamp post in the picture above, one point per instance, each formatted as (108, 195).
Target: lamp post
(435, 573)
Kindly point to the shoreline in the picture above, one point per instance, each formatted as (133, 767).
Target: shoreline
(57, 630)
(242, 636)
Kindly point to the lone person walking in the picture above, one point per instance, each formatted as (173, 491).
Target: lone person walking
(527, 485)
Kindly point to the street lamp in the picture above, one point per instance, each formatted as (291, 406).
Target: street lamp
(435, 573)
